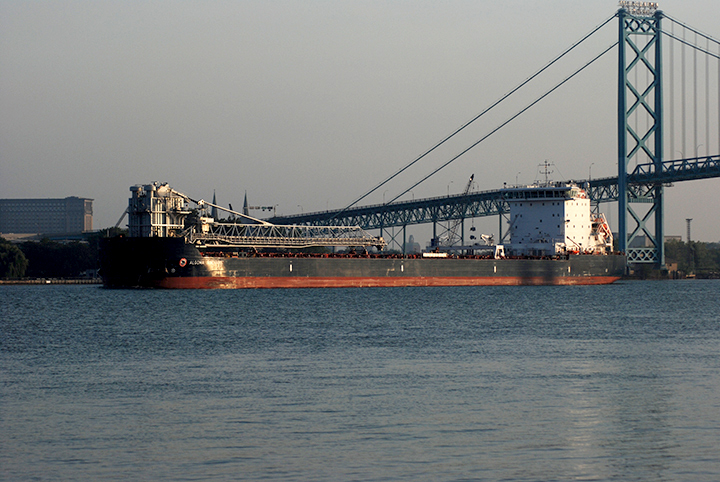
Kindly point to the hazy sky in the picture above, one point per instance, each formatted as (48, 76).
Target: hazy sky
(308, 104)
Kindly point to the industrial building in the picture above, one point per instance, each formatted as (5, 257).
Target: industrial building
(46, 216)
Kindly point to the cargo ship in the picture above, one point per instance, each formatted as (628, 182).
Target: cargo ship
(555, 239)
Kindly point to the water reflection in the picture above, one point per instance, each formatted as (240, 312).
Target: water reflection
(406, 384)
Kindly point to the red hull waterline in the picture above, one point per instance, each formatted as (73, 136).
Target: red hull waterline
(217, 282)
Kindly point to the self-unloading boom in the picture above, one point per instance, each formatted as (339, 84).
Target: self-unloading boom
(157, 210)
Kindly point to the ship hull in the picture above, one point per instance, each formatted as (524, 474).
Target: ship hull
(171, 263)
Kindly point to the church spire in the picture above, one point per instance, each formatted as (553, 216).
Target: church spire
(214, 211)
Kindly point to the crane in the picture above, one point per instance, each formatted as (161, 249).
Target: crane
(452, 236)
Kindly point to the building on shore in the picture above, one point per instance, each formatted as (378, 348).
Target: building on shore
(46, 216)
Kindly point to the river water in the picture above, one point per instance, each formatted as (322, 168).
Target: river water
(618, 382)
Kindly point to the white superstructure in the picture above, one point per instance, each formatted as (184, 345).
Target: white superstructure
(155, 210)
(552, 219)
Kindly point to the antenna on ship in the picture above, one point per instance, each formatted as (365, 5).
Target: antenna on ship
(546, 171)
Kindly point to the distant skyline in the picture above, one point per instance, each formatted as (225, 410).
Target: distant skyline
(308, 105)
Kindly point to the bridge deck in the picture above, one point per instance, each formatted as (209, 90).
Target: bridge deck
(491, 203)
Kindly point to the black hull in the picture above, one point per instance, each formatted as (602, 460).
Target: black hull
(171, 263)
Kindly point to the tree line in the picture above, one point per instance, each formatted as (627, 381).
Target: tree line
(693, 258)
(51, 259)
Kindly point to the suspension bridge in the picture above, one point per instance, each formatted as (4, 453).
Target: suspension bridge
(654, 86)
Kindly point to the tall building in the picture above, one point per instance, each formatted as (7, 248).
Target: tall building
(46, 216)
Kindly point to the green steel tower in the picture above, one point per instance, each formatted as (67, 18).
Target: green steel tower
(640, 130)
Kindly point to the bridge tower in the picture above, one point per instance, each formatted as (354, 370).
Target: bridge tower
(640, 129)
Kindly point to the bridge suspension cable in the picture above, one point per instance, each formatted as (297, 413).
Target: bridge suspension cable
(522, 111)
(468, 123)
(695, 46)
(707, 49)
(695, 31)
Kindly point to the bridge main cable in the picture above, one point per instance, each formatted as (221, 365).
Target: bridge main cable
(693, 46)
(458, 130)
(505, 123)
(705, 36)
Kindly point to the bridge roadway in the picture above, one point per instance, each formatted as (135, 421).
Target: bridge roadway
(488, 203)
